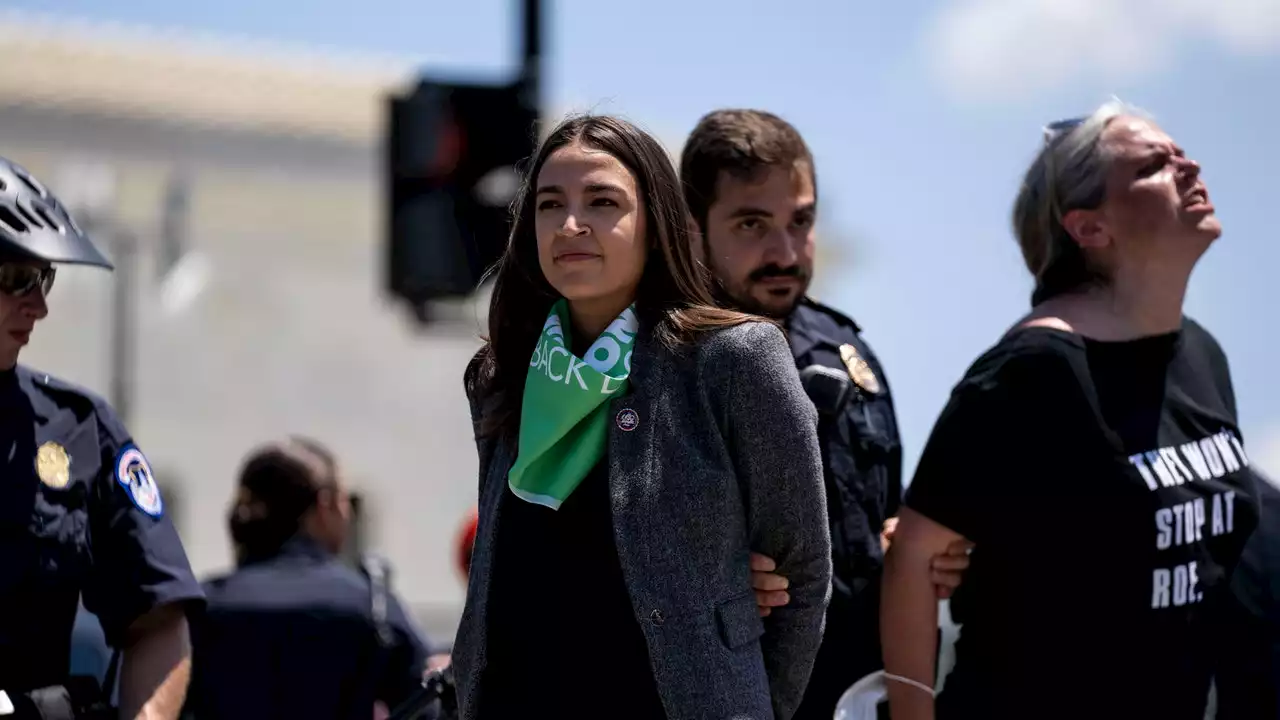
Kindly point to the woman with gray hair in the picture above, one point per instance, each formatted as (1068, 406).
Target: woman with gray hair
(1093, 456)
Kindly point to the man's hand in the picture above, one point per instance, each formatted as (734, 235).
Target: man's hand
(771, 589)
(886, 533)
(946, 572)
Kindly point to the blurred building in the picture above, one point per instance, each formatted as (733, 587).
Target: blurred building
(274, 321)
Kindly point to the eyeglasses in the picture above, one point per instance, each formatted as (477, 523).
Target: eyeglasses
(21, 279)
(1061, 128)
(1053, 132)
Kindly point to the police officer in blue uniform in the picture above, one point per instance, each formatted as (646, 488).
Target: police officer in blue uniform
(752, 190)
(293, 632)
(80, 512)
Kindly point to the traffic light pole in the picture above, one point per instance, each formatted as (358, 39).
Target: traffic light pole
(531, 47)
(126, 248)
(531, 55)
(124, 245)
(453, 155)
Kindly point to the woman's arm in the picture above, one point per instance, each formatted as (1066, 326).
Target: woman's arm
(957, 495)
(909, 614)
(773, 436)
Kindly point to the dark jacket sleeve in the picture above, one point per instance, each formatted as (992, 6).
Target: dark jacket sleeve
(774, 440)
(471, 386)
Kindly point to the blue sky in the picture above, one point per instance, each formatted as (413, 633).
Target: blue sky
(922, 116)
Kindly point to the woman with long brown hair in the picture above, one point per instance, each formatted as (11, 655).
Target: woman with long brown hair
(635, 443)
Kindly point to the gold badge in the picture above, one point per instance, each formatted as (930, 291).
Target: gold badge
(53, 465)
(859, 370)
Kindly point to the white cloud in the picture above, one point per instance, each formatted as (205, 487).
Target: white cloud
(987, 48)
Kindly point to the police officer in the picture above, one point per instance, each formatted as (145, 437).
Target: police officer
(80, 513)
(293, 631)
(751, 187)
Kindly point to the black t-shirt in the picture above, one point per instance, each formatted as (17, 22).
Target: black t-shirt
(1248, 671)
(564, 641)
(1107, 490)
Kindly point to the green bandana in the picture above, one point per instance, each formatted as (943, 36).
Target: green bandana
(564, 420)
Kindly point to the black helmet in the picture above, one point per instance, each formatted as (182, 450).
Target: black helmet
(34, 224)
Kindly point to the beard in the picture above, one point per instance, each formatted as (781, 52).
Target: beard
(754, 297)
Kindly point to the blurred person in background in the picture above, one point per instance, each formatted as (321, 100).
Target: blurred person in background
(80, 512)
(1093, 455)
(751, 185)
(635, 441)
(293, 631)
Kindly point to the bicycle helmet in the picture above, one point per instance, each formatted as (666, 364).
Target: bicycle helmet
(33, 223)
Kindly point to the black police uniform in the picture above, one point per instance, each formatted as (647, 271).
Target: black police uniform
(80, 513)
(90, 654)
(296, 635)
(862, 460)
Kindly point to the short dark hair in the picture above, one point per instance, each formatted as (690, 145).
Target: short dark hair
(743, 143)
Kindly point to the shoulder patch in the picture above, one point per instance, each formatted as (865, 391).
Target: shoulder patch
(133, 472)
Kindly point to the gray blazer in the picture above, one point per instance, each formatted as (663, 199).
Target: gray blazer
(723, 460)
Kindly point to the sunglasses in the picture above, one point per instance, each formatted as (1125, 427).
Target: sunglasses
(1061, 128)
(21, 279)
(1054, 132)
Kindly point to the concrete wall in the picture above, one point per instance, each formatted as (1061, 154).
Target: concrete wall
(291, 333)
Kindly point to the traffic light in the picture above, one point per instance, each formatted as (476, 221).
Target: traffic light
(453, 154)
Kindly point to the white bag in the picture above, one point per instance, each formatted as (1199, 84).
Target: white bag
(860, 700)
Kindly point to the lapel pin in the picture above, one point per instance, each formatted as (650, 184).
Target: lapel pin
(628, 420)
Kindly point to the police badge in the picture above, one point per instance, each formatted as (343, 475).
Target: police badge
(53, 465)
(859, 370)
